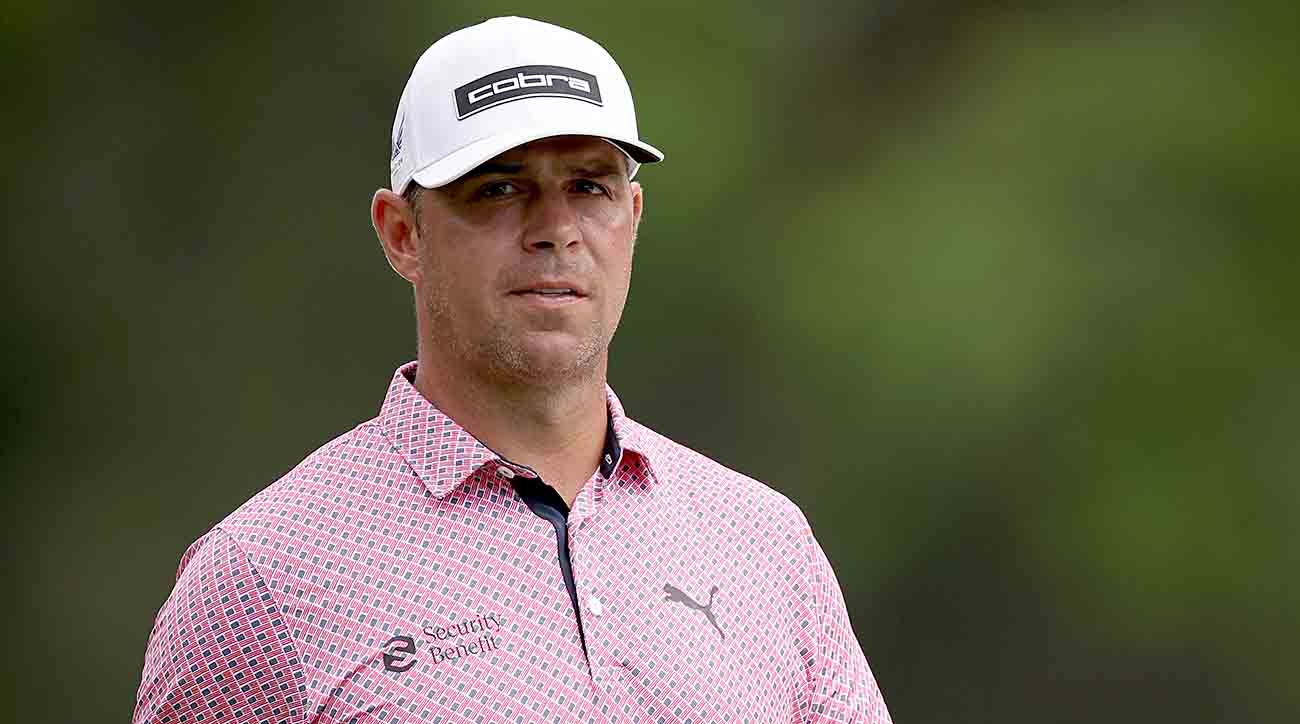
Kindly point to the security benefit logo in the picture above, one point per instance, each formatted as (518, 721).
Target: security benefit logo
(457, 640)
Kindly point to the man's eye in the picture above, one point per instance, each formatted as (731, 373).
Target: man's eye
(590, 186)
(496, 188)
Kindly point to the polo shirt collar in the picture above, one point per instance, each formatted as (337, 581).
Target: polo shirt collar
(443, 454)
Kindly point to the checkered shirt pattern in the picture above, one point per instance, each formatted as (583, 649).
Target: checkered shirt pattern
(395, 576)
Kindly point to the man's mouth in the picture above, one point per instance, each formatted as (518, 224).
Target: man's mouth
(556, 289)
(550, 292)
(548, 296)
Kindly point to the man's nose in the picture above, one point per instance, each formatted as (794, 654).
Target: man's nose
(554, 223)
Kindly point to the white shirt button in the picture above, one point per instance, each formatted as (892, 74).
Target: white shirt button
(505, 472)
(595, 606)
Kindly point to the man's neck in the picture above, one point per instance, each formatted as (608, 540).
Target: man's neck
(556, 429)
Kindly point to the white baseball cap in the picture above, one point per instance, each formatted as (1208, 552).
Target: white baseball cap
(485, 89)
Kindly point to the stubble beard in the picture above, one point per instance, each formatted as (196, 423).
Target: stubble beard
(499, 358)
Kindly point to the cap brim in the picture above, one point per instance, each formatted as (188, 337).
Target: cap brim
(461, 161)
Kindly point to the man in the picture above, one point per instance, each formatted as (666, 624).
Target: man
(503, 543)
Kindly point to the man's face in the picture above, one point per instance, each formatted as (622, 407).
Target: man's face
(525, 261)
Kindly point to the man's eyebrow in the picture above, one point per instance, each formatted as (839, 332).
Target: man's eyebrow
(593, 167)
(492, 167)
(598, 167)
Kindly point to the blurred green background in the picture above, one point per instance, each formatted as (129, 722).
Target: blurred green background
(1015, 282)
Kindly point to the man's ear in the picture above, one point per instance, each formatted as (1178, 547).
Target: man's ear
(638, 204)
(394, 222)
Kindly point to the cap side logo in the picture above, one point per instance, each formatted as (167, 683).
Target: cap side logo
(525, 81)
(397, 142)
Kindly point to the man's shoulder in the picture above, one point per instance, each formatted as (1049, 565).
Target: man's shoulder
(277, 519)
(692, 475)
(317, 475)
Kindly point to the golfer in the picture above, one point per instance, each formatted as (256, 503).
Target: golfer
(503, 543)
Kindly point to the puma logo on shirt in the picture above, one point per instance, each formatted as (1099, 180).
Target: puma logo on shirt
(676, 594)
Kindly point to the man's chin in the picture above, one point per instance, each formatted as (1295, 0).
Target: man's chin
(550, 357)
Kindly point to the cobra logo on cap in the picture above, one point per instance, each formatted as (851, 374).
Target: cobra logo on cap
(525, 81)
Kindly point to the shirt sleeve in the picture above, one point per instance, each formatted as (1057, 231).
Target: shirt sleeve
(219, 649)
(840, 685)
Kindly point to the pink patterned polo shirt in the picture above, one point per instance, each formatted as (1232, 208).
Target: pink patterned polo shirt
(404, 573)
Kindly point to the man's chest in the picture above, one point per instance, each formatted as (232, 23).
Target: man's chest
(459, 612)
